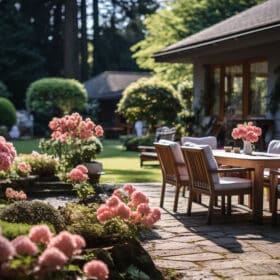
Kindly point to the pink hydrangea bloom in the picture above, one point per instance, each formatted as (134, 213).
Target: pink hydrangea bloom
(96, 269)
(104, 213)
(248, 132)
(79, 243)
(24, 167)
(123, 211)
(148, 221)
(7, 154)
(129, 188)
(113, 201)
(82, 168)
(135, 217)
(143, 208)
(40, 234)
(156, 214)
(11, 194)
(138, 197)
(52, 259)
(65, 242)
(7, 250)
(24, 246)
(77, 175)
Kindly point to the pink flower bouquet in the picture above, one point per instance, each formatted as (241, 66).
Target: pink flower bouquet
(247, 132)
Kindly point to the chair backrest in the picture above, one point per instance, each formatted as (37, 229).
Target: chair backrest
(165, 133)
(199, 162)
(208, 140)
(274, 147)
(171, 159)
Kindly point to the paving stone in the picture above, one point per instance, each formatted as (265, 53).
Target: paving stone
(259, 277)
(237, 273)
(198, 275)
(196, 257)
(177, 265)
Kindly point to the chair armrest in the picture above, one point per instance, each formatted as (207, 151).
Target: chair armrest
(146, 148)
(274, 171)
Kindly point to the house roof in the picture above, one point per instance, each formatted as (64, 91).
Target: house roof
(259, 18)
(110, 84)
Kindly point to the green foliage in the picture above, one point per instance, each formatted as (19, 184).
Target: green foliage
(83, 190)
(52, 96)
(274, 100)
(4, 90)
(177, 20)
(33, 213)
(41, 164)
(7, 112)
(12, 230)
(133, 141)
(150, 100)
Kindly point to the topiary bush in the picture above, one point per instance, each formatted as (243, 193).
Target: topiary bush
(7, 112)
(55, 96)
(33, 212)
(4, 90)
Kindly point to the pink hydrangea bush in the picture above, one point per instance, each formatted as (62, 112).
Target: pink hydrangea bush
(131, 206)
(47, 254)
(247, 131)
(23, 169)
(13, 195)
(7, 154)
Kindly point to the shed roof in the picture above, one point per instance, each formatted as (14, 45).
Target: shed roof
(258, 18)
(110, 84)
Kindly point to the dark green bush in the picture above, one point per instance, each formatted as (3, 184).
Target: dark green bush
(7, 112)
(4, 90)
(33, 212)
(55, 96)
(131, 143)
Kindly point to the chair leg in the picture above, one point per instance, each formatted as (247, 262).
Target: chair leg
(241, 199)
(162, 193)
(216, 201)
(223, 206)
(184, 191)
(229, 205)
(176, 198)
(250, 201)
(274, 209)
(210, 209)
(190, 203)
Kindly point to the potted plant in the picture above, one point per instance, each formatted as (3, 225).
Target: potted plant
(73, 140)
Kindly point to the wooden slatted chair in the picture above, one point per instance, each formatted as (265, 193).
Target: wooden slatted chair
(173, 168)
(274, 148)
(204, 178)
(275, 193)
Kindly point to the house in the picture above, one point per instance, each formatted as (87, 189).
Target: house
(236, 65)
(107, 88)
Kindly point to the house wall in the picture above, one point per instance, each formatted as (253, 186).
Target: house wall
(267, 51)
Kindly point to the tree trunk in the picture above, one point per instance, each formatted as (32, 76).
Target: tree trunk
(96, 37)
(84, 47)
(71, 50)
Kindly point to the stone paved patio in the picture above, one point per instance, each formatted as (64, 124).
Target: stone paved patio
(231, 248)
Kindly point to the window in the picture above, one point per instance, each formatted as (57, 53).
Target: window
(240, 88)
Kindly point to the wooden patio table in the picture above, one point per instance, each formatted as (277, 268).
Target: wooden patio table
(259, 161)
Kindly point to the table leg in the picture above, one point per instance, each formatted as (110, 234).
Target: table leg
(258, 195)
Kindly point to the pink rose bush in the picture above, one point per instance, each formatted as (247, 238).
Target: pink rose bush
(79, 178)
(130, 206)
(7, 154)
(48, 253)
(13, 195)
(248, 132)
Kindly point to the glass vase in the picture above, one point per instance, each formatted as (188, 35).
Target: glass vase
(247, 147)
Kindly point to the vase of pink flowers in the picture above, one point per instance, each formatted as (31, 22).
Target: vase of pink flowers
(249, 133)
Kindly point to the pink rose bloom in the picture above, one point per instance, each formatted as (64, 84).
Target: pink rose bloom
(40, 234)
(104, 213)
(24, 246)
(258, 131)
(129, 188)
(24, 167)
(99, 131)
(138, 197)
(77, 176)
(52, 259)
(65, 242)
(120, 194)
(143, 209)
(135, 217)
(96, 269)
(123, 211)
(113, 201)
(7, 251)
(82, 168)
(252, 136)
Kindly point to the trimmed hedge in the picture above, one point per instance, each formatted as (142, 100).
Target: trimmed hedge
(7, 112)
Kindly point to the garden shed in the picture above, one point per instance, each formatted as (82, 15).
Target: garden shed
(107, 88)
(236, 66)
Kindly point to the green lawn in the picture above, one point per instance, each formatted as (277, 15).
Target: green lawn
(120, 166)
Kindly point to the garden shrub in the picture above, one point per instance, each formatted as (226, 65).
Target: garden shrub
(7, 113)
(131, 143)
(12, 230)
(4, 90)
(55, 96)
(33, 212)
